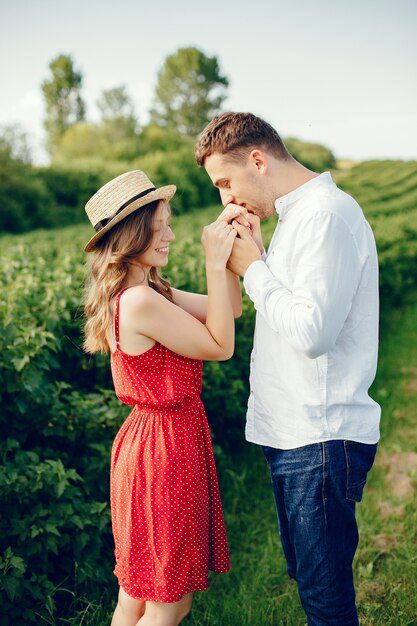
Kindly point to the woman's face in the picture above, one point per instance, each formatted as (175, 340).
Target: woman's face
(157, 253)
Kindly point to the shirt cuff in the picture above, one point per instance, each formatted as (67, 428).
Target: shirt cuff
(254, 275)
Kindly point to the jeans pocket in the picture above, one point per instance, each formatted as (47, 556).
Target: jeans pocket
(359, 460)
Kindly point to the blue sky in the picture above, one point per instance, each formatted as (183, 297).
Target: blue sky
(340, 73)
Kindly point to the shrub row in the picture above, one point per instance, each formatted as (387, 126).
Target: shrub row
(52, 197)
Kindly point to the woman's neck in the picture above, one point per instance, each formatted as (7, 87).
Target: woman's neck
(137, 275)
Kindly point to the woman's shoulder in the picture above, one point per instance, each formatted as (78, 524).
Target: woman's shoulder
(139, 298)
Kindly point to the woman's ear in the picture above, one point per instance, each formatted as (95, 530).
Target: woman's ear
(259, 159)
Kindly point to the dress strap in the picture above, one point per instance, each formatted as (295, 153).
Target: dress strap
(116, 317)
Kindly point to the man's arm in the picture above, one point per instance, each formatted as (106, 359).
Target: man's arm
(327, 274)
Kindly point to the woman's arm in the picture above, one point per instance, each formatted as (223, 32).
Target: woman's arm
(147, 313)
(196, 304)
(235, 293)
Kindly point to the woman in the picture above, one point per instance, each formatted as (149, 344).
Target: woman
(166, 512)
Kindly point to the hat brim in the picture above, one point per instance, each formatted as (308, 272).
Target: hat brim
(163, 193)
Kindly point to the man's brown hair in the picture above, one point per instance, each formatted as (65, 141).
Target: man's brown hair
(233, 133)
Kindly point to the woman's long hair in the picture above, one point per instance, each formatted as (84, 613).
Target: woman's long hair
(107, 269)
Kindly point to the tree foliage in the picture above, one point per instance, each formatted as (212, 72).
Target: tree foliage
(116, 104)
(189, 92)
(114, 138)
(78, 141)
(118, 130)
(64, 104)
(23, 198)
(32, 197)
(14, 144)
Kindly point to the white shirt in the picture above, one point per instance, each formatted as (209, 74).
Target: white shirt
(316, 335)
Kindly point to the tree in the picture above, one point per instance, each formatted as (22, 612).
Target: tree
(81, 140)
(14, 144)
(118, 119)
(115, 138)
(24, 199)
(64, 105)
(116, 103)
(189, 92)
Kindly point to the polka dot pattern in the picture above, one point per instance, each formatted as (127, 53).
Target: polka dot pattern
(167, 515)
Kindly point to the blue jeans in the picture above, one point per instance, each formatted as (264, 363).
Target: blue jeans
(315, 489)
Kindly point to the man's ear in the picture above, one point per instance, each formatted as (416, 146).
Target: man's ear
(259, 159)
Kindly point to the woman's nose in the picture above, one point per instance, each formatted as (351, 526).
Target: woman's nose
(169, 234)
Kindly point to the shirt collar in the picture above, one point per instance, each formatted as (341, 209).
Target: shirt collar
(284, 203)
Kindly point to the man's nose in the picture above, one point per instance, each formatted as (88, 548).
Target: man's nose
(226, 197)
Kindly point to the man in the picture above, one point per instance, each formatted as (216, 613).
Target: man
(315, 349)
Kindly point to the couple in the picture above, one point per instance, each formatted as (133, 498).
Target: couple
(314, 357)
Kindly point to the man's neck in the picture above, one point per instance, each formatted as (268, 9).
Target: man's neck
(290, 175)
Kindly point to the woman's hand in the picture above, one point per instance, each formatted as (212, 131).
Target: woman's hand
(242, 216)
(217, 240)
(233, 212)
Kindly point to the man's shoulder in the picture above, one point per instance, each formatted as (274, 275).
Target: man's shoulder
(329, 200)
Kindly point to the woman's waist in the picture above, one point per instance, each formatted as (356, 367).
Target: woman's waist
(153, 406)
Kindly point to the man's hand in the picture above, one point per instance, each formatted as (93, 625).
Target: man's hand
(245, 250)
(255, 229)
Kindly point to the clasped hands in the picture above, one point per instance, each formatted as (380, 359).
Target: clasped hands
(247, 245)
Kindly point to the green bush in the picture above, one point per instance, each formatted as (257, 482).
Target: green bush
(52, 534)
(46, 197)
(313, 155)
(55, 441)
(70, 190)
(194, 188)
(24, 199)
(54, 196)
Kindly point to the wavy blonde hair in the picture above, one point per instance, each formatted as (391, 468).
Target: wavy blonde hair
(107, 270)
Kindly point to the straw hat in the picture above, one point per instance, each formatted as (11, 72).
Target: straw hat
(119, 198)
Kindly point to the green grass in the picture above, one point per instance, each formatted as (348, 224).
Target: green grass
(386, 562)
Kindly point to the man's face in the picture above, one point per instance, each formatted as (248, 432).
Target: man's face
(241, 183)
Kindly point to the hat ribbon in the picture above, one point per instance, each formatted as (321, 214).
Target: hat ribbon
(104, 222)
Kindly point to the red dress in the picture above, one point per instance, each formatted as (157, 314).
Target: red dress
(167, 515)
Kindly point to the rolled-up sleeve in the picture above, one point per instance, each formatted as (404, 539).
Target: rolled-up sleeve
(326, 267)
